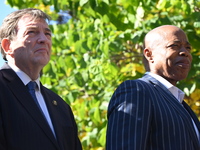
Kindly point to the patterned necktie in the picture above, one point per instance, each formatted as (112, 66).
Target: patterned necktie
(31, 86)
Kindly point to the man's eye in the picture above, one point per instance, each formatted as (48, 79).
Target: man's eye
(30, 32)
(188, 48)
(49, 34)
(174, 45)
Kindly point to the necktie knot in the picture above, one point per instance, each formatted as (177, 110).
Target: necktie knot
(32, 85)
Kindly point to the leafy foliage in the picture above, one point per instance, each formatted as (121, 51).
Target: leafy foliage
(101, 46)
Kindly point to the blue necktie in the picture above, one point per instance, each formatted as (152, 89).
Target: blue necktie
(31, 86)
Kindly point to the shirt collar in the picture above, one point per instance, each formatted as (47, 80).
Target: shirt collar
(23, 76)
(173, 89)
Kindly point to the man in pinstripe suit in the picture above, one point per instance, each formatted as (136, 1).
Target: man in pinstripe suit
(149, 113)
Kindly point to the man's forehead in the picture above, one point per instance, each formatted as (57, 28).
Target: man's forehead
(29, 21)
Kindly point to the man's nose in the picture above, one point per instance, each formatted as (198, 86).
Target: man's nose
(42, 38)
(184, 52)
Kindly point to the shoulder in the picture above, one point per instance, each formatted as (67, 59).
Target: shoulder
(138, 85)
(129, 94)
(7, 73)
(131, 90)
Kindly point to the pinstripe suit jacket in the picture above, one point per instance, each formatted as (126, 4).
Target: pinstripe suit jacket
(144, 115)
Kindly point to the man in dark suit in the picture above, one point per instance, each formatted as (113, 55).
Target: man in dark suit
(149, 113)
(31, 116)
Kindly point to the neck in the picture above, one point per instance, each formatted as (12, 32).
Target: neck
(33, 71)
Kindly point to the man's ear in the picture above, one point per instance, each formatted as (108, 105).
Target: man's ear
(148, 55)
(5, 44)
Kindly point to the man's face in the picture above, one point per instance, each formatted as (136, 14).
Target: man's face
(172, 57)
(32, 44)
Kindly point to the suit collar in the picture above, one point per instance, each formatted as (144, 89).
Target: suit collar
(173, 89)
(154, 81)
(22, 75)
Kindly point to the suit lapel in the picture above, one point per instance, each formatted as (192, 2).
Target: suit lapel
(192, 114)
(53, 105)
(17, 87)
(52, 112)
(176, 105)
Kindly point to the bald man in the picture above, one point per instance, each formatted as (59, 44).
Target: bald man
(149, 113)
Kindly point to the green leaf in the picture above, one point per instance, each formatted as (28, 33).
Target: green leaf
(79, 79)
(83, 2)
(102, 139)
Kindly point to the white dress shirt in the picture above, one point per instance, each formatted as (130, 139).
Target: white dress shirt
(26, 79)
(175, 91)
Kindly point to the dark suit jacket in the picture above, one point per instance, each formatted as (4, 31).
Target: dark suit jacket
(22, 125)
(144, 115)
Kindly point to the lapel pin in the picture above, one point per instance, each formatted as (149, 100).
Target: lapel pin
(54, 102)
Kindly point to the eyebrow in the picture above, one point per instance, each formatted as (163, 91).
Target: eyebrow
(47, 29)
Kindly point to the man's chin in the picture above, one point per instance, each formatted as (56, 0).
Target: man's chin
(41, 61)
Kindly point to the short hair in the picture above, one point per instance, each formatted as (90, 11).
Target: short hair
(8, 28)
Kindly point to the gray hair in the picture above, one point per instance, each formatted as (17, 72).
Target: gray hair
(8, 28)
